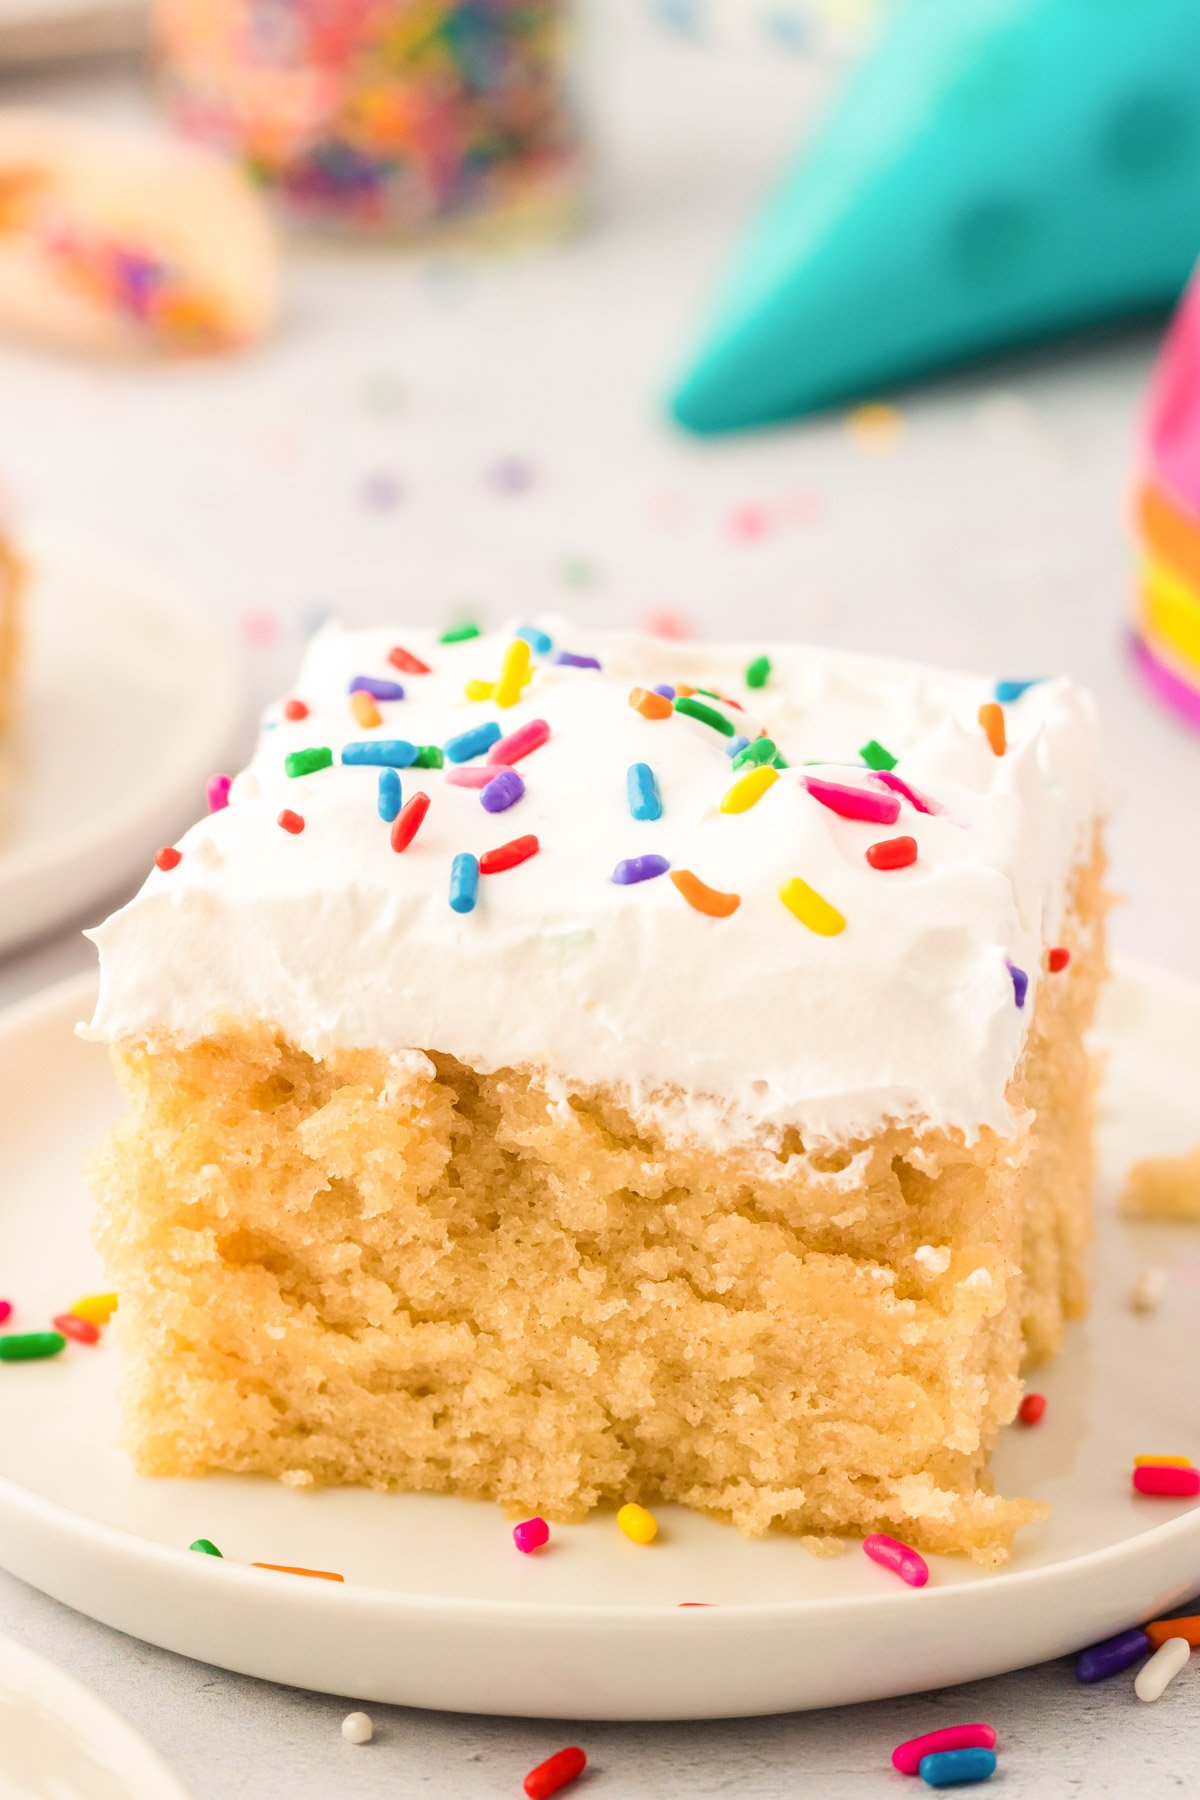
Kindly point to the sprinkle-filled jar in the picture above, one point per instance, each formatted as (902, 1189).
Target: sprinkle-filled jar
(385, 117)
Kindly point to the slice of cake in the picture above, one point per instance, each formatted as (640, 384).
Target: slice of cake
(655, 1073)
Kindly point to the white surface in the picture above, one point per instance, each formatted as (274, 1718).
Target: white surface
(993, 536)
(908, 1011)
(58, 1742)
(439, 1610)
(128, 702)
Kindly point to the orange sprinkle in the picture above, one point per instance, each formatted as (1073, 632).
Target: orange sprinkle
(649, 704)
(1162, 1629)
(682, 688)
(286, 1569)
(704, 899)
(363, 706)
(1162, 1462)
(991, 717)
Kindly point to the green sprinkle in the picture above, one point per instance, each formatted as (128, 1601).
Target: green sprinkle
(780, 762)
(457, 634)
(429, 757)
(762, 750)
(28, 1346)
(711, 693)
(876, 757)
(306, 762)
(206, 1547)
(758, 672)
(707, 715)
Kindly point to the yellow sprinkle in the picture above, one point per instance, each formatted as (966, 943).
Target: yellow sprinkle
(875, 428)
(514, 673)
(1162, 1462)
(748, 788)
(810, 909)
(365, 710)
(479, 690)
(97, 1309)
(637, 1523)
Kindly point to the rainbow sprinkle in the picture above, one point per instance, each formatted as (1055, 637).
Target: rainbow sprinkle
(853, 802)
(458, 634)
(758, 672)
(540, 642)
(639, 868)
(991, 717)
(707, 715)
(469, 744)
(1008, 691)
(875, 756)
(390, 796)
(914, 796)
(641, 784)
(805, 904)
(376, 687)
(748, 789)
(1020, 981)
(502, 791)
(307, 762)
(464, 883)
(216, 792)
(702, 898)
(762, 750)
(566, 659)
(388, 753)
(650, 703)
(515, 670)
(428, 756)
(519, 743)
(365, 711)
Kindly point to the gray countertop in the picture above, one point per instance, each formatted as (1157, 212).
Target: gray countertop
(993, 535)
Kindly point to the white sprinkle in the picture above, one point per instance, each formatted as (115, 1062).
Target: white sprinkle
(357, 1728)
(1147, 1290)
(1157, 1675)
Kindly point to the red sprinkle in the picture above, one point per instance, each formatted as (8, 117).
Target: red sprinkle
(892, 853)
(169, 858)
(295, 709)
(1031, 1408)
(556, 1772)
(291, 821)
(1057, 960)
(82, 1330)
(507, 856)
(907, 1757)
(408, 821)
(1166, 1482)
(404, 659)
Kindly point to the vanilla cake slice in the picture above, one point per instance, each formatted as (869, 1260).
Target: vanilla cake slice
(619, 1070)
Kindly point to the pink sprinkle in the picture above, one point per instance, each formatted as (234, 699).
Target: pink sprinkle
(913, 795)
(902, 1559)
(531, 1534)
(216, 792)
(748, 522)
(665, 624)
(907, 1757)
(470, 776)
(519, 743)
(259, 627)
(854, 803)
(1167, 1482)
(6, 1309)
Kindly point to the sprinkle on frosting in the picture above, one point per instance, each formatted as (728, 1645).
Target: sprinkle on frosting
(479, 690)
(429, 756)
(919, 801)
(167, 858)
(387, 753)
(377, 687)
(641, 786)
(408, 820)
(876, 757)
(991, 717)
(471, 775)
(650, 703)
(507, 856)
(762, 750)
(639, 868)
(540, 642)
(390, 795)
(216, 792)
(291, 821)
(472, 743)
(748, 789)
(406, 662)
(758, 672)
(464, 882)
(295, 709)
(458, 634)
(893, 853)
(567, 659)
(518, 744)
(1008, 691)
(1020, 982)
(702, 898)
(707, 715)
(1058, 959)
(365, 711)
(854, 802)
(502, 791)
(805, 904)
(307, 762)
(515, 670)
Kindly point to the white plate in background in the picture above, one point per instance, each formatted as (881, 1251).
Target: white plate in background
(128, 700)
(439, 1610)
(59, 1742)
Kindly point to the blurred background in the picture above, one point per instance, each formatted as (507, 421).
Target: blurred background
(460, 406)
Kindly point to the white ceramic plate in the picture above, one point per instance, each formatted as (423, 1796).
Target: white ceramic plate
(59, 1742)
(129, 700)
(438, 1608)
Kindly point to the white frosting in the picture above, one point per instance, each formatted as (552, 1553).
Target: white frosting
(725, 1027)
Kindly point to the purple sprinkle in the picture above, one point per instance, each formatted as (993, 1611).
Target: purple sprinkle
(667, 692)
(1020, 981)
(381, 492)
(510, 475)
(377, 688)
(503, 791)
(639, 868)
(567, 659)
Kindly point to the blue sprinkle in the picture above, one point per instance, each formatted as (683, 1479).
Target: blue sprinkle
(1113, 1655)
(645, 801)
(389, 794)
(639, 868)
(736, 745)
(389, 753)
(1020, 981)
(1008, 691)
(946, 1768)
(566, 659)
(539, 641)
(665, 689)
(464, 883)
(378, 690)
(472, 743)
(503, 791)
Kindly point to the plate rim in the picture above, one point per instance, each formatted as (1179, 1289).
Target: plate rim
(74, 993)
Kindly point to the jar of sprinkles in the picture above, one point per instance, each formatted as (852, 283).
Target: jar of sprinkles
(384, 117)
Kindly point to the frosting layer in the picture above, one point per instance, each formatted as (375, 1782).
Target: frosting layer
(712, 1019)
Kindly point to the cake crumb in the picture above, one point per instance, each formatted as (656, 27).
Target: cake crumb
(934, 1259)
(1164, 1187)
(824, 1547)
